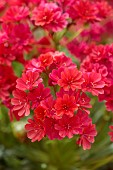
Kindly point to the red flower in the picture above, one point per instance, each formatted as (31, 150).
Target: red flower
(40, 112)
(111, 133)
(28, 81)
(16, 13)
(55, 75)
(65, 4)
(78, 49)
(35, 130)
(82, 119)
(4, 93)
(98, 53)
(43, 14)
(87, 136)
(51, 132)
(104, 9)
(38, 95)
(109, 104)
(93, 83)
(2, 5)
(49, 103)
(7, 81)
(66, 126)
(70, 78)
(65, 105)
(34, 65)
(50, 16)
(61, 60)
(21, 103)
(19, 35)
(6, 54)
(82, 101)
(46, 59)
(83, 10)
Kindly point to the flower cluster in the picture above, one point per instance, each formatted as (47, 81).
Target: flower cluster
(57, 98)
(53, 91)
(7, 81)
(100, 60)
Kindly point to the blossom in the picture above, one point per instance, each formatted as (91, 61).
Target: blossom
(40, 112)
(50, 130)
(65, 105)
(83, 10)
(98, 53)
(46, 59)
(49, 16)
(48, 104)
(66, 126)
(87, 136)
(111, 133)
(80, 50)
(2, 5)
(82, 101)
(28, 81)
(15, 13)
(6, 54)
(70, 78)
(61, 60)
(55, 75)
(4, 90)
(104, 9)
(7, 81)
(34, 65)
(38, 94)
(35, 129)
(109, 104)
(93, 83)
(19, 35)
(82, 119)
(21, 103)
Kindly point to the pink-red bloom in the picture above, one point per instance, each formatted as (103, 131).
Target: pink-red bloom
(19, 35)
(38, 95)
(82, 101)
(40, 112)
(66, 126)
(46, 59)
(87, 136)
(84, 10)
(28, 81)
(70, 79)
(15, 14)
(65, 105)
(93, 83)
(55, 75)
(104, 9)
(21, 103)
(50, 129)
(34, 66)
(48, 104)
(111, 133)
(35, 129)
(50, 17)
